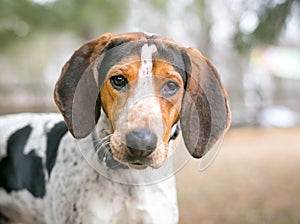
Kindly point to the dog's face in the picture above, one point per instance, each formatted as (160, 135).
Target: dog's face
(142, 97)
(145, 85)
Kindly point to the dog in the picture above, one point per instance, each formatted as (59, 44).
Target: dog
(127, 97)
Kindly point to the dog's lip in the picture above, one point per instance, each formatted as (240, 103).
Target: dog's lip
(137, 165)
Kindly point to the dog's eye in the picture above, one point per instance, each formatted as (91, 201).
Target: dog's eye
(119, 82)
(169, 89)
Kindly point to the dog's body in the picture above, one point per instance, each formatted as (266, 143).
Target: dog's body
(136, 82)
(76, 193)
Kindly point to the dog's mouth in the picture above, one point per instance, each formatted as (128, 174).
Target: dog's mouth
(105, 156)
(132, 162)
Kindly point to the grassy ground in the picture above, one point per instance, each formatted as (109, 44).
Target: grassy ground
(255, 178)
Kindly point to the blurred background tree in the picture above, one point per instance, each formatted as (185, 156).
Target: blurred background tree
(24, 18)
(270, 20)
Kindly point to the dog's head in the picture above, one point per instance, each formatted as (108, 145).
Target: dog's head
(145, 84)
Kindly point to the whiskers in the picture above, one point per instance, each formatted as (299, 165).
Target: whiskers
(169, 148)
(102, 148)
(104, 154)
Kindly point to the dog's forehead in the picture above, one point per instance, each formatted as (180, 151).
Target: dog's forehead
(151, 49)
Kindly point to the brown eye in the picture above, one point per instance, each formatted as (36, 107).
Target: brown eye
(119, 82)
(169, 89)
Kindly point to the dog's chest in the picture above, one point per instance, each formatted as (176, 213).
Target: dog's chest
(93, 198)
(128, 204)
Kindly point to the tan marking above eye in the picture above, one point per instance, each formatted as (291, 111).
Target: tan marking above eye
(166, 71)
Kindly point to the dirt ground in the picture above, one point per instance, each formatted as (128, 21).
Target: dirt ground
(255, 178)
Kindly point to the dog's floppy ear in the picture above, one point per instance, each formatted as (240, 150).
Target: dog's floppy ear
(205, 113)
(76, 92)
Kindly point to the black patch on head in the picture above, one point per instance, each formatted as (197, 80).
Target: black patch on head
(115, 43)
(20, 171)
(53, 138)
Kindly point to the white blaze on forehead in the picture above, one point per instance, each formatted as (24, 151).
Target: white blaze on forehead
(145, 83)
(146, 60)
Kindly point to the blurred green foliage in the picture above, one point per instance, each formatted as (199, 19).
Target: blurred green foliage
(20, 18)
(272, 21)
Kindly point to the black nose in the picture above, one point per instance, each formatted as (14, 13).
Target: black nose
(141, 142)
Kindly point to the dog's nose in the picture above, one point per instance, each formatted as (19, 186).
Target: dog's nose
(141, 142)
